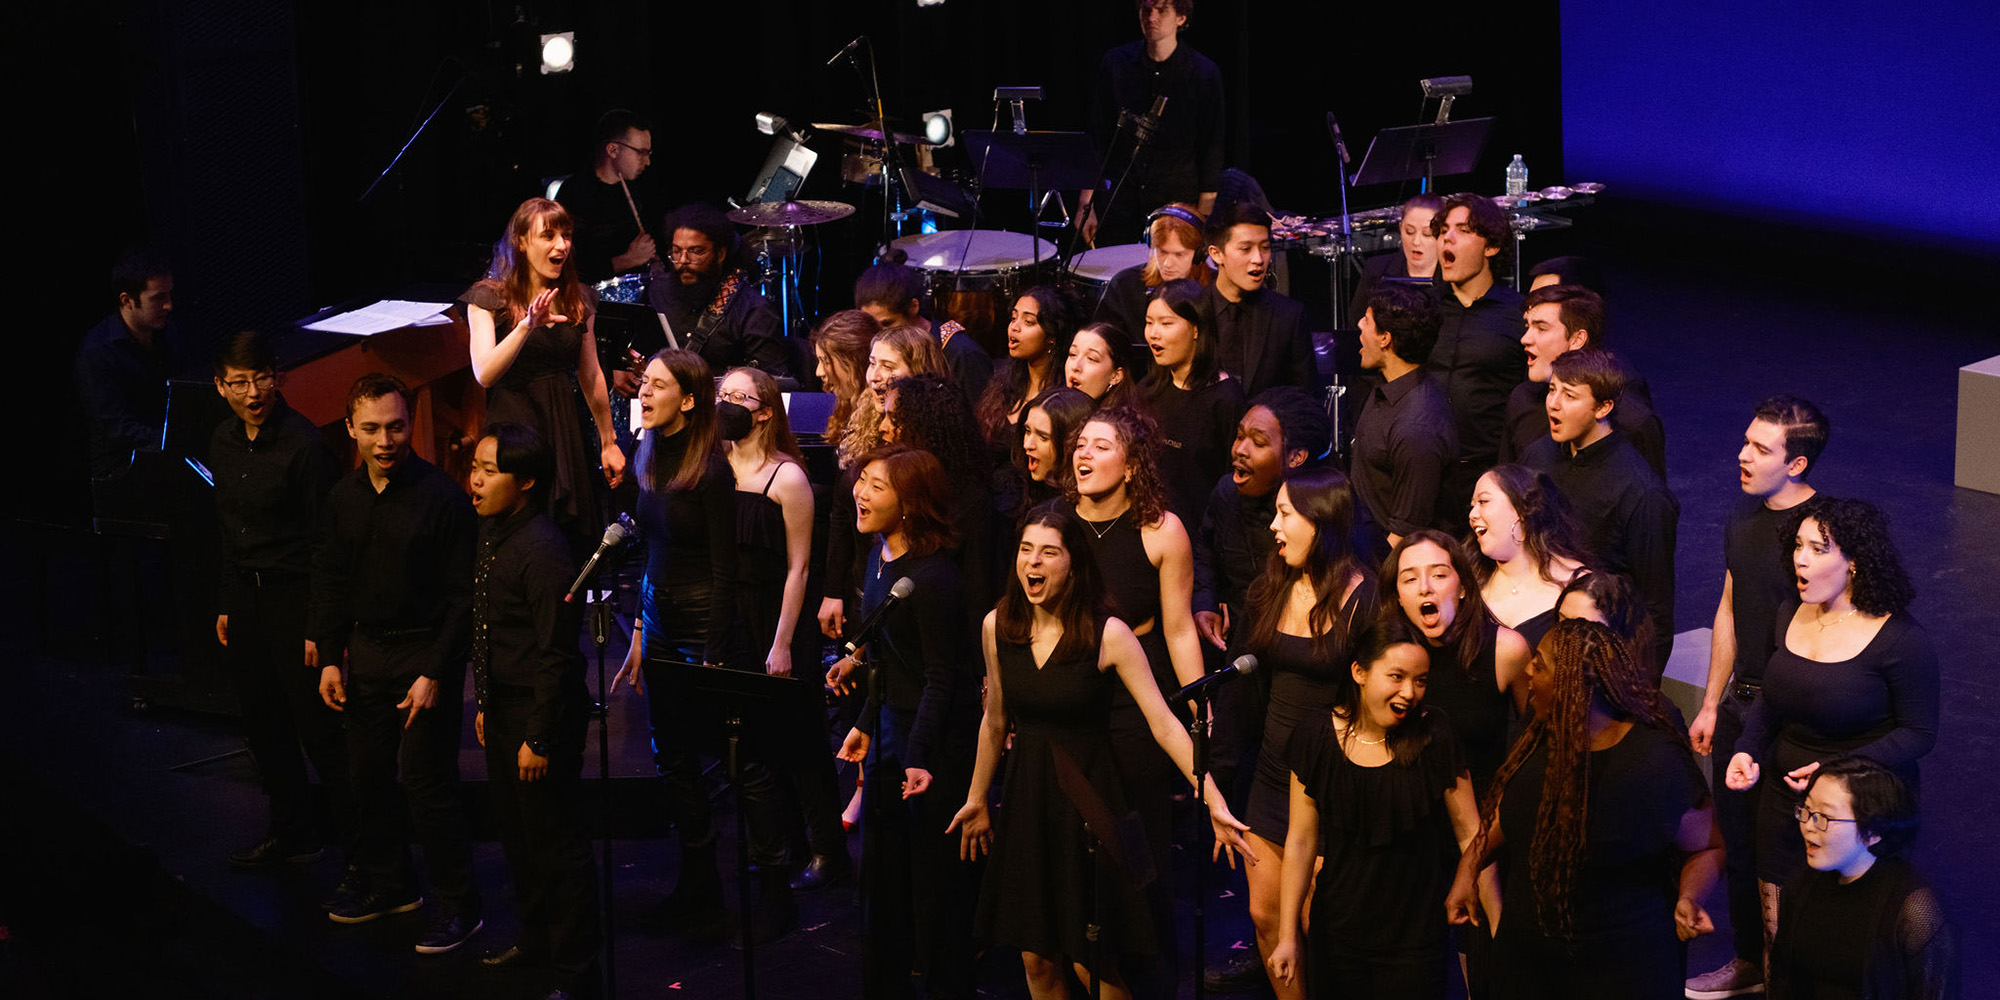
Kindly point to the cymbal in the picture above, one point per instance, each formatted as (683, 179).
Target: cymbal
(872, 133)
(791, 213)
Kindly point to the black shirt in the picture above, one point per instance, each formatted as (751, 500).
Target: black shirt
(1184, 157)
(1757, 556)
(749, 332)
(1479, 359)
(690, 539)
(1197, 426)
(1634, 416)
(523, 632)
(929, 666)
(1124, 303)
(124, 388)
(397, 562)
(268, 494)
(1231, 547)
(1262, 340)
(605, 225)
(1629, 518)
(1403, 443)
(971, 367)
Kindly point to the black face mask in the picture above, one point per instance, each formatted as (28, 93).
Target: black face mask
(734, 420)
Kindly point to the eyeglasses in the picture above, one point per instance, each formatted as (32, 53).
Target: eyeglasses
(1816, 820)
(241, 386)
(644, 154)
(736, 396)
(689, 253)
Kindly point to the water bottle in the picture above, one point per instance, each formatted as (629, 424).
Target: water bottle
(1517, 177)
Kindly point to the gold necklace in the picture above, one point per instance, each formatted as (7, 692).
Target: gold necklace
(1370, 743)
(1824, 625)
(1108, 525)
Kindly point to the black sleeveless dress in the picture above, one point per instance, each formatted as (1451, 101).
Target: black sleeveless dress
(1478, 710)
(540, 390)
(1036, 895)
(1534, 627)
(1303, 688)
(764, 562)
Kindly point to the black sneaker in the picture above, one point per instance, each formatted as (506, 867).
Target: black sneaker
(274, 850)
(352, 883)
(448, 931)
(373, 903)
(822, 871)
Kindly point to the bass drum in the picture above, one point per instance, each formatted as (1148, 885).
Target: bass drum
(974, 276)
(1094, 269)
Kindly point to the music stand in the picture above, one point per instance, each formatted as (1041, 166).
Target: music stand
(1423, 152)
(736, 693)
(1036, 162)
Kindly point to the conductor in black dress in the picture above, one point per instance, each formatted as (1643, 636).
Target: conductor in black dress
(1182, 162)
(533, 707)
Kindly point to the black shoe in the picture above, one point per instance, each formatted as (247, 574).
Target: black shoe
(822, 871)
(274, 850)
(352, 884)
(374, 903)
(1243, 973)
(447, 932)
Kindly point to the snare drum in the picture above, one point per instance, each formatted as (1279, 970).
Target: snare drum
(974, 276)
(627, 288)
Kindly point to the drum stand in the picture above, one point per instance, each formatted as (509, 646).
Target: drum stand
(782, 263)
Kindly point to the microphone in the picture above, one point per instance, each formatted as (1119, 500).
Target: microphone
(1244, 666)
(1339, 144)
(869, 625)
(615, 534)
(1145, 125)
(845, 49)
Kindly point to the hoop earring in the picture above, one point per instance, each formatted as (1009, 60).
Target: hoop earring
(1517, 533)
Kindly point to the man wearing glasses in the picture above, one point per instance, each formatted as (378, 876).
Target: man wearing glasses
(713, 306)
(602, 203)
(272, 471)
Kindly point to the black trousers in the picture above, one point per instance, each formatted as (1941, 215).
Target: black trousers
(283, 713)
(424, 757)
(917, 897)
(684, 726)
(1736, 814)
(541, 830)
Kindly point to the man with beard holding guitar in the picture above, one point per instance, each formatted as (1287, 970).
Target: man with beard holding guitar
(712, 305)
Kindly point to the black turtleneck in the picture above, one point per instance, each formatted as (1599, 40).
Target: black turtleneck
(690, 537)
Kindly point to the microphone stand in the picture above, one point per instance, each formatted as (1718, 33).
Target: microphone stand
(601, 626)
(1198, 740)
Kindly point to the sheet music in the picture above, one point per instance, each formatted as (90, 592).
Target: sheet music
(385, 315)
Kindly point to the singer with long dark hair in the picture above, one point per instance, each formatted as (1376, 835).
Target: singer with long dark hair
(533, 371)
(1381, 796)
(1038, 333)
(1312, 600)
(1608, 829)
(1195, 401)
(915, 737)
(1527, 546)
(1048, 438)
(687, 516)
(1054, 654)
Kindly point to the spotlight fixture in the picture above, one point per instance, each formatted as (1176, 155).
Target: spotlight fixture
(771, 124)
(558, 52)
(938, 129)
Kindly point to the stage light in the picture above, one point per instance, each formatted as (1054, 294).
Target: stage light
(938, 128)
(930, 3)
(771, 124)
(558, 52)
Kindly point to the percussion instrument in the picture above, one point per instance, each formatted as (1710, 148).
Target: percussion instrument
(790, 213)
(627, 288)
(1095, 268)
(974, 276)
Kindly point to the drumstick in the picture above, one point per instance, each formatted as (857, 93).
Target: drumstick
(633, 205)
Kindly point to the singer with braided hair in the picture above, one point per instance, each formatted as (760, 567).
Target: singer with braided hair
(1614, 836)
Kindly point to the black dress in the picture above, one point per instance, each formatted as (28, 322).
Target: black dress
(540, 390)
(1479, 711)
(765, 562)
(1534, 627)
(1622, 898)
(1388, 855)
(1036, 895)
(1881, 703)
(1304, 687)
